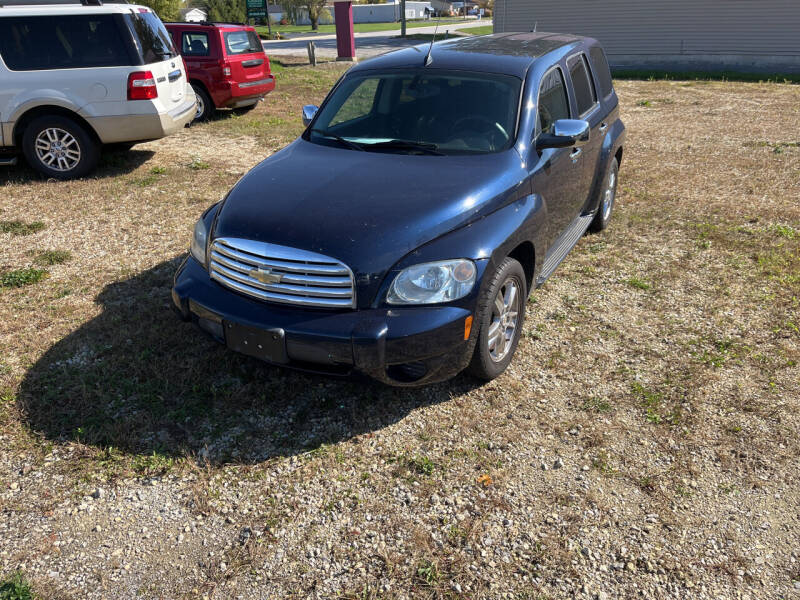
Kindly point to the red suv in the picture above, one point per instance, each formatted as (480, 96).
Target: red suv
(226, 63)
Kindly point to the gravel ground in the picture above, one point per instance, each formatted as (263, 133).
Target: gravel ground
(644, 443)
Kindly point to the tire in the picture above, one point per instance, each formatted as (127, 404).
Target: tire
(489, 360)
(608, 194)
(205, 106)
(59, 148)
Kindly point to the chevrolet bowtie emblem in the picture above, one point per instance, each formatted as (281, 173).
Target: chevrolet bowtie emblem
(266, 275)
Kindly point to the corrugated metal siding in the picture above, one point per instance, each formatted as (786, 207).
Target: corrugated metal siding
(665, 27)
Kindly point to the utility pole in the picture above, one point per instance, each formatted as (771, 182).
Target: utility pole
(403, 18)
(269, 24)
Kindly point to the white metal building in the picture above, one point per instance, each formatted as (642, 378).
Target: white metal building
(742, 35)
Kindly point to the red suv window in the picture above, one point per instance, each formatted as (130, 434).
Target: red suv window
(241, 42)
(194, 43)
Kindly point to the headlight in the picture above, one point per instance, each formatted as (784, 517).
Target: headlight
(198, 247)
(431, 283)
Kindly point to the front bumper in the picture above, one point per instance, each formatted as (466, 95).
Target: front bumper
(398, 346)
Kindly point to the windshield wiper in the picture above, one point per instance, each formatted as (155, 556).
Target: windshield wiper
(425, 147)
(338, 138)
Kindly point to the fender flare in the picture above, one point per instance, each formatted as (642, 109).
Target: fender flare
(486, 241)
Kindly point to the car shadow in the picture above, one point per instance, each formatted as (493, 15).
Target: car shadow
(139, 380)
(111, 164)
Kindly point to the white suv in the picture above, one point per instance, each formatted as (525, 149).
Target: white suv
(76, 76)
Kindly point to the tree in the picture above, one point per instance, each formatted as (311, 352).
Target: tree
(315, 9)
(224, 11)
(167, 10)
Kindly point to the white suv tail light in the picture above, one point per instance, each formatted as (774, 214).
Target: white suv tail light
(142, 86)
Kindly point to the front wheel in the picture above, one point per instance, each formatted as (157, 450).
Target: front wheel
(608, 194)
(501, 315)
(58, 147)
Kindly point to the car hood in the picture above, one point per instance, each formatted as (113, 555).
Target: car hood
(366, 209)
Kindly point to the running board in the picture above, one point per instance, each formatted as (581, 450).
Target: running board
(565, 242)
(8, 162)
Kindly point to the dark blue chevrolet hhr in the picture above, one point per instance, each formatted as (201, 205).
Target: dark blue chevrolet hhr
(402, 233)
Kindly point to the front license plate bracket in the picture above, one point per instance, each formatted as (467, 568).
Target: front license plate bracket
(265, 344)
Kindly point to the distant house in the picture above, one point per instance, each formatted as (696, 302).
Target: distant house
(690, 35)
(193, 15)
(452, 7)
(388, 12)
(275, 12)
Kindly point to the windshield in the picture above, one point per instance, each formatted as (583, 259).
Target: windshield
(242, 42)
(152, 39)
(421, 111)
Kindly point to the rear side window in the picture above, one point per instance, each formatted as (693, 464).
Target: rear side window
(242, 42)
(151, 37)
(194, 44)
(601, 70)
(63, 42)
(585, 95)
(552, 101)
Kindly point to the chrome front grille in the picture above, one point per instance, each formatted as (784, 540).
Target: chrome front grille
(275, 273)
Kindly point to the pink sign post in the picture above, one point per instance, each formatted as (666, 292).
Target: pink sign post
(345, 38)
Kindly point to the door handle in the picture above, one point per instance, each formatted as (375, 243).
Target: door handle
(603, 127)
(575, 154)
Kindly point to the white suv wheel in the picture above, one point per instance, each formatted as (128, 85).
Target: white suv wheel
(58, 149)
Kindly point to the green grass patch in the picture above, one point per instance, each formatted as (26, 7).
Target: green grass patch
(48, 258)
(428, 572)
(702, 76)
(786, 231)
(721, 351)
(357, 27)
(16, 587)
(20, 227)
(485, 30)
(422, 465)
(198, 164)
(21, 277)
(650, 400)
(145, 181)
(597, 405)
(639, 284)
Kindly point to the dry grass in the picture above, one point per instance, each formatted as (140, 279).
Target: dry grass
(663, 354)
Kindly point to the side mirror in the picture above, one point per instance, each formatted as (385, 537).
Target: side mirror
(567, 133)
(309, 110)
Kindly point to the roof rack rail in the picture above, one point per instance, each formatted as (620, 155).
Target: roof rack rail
(59, 2)
(204, 23)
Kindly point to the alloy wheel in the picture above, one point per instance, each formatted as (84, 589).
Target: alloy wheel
(200, 108)
(609, 194)
(58, 149)
(503, 326)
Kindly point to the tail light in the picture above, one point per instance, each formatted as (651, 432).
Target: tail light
(142, 86)
(226, 69)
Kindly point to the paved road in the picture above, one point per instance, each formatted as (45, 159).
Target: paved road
(367, 44)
